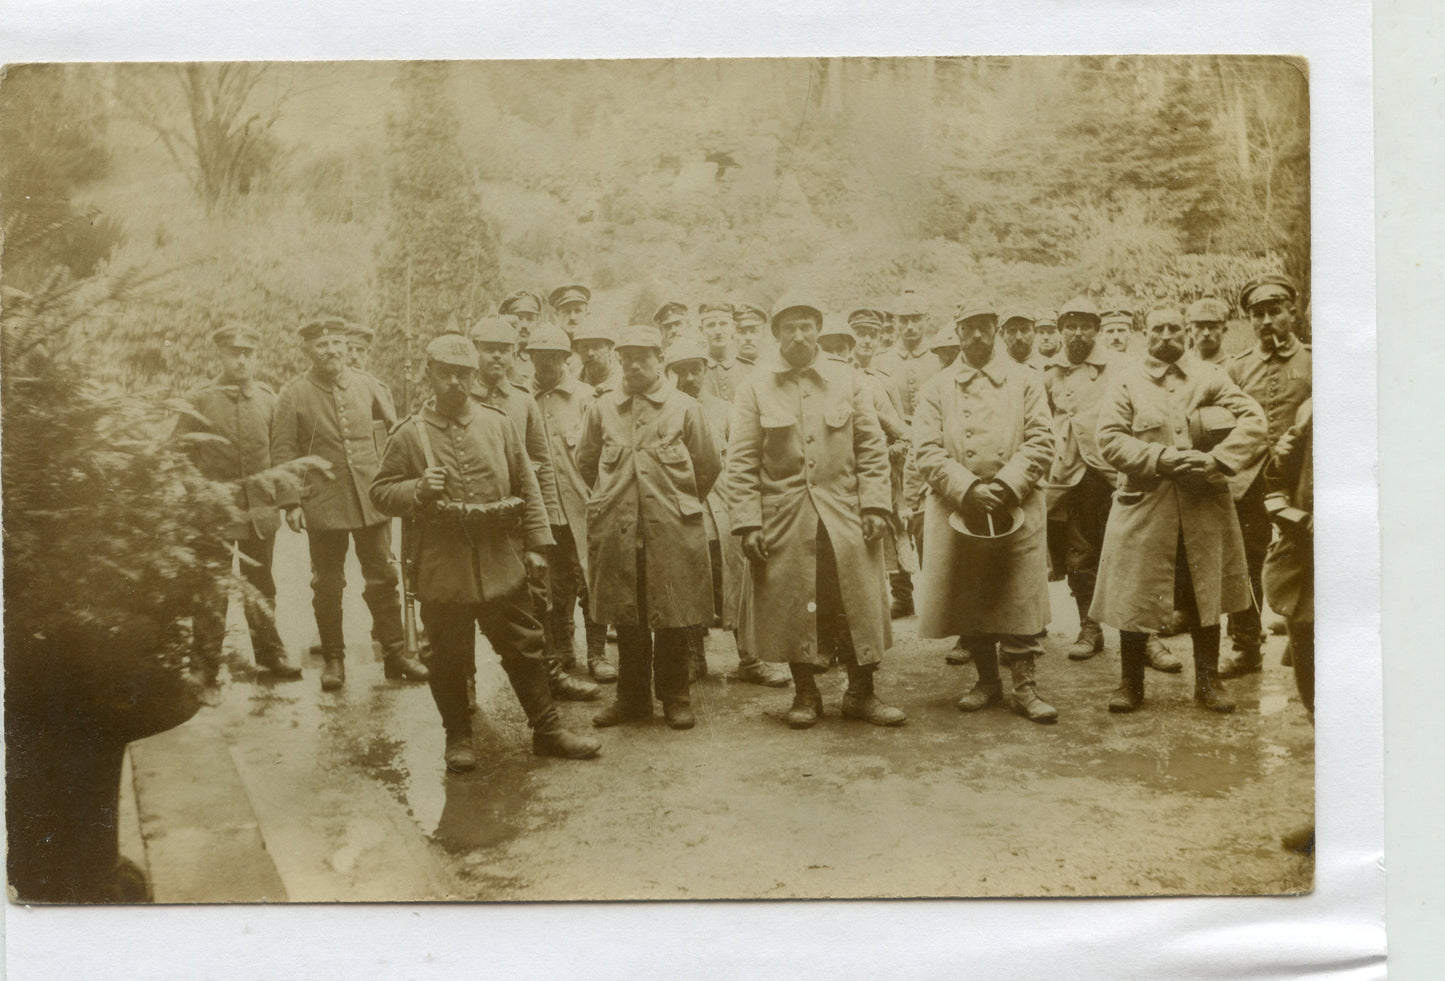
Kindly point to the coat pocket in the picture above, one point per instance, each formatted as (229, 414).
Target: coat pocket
(836, 416)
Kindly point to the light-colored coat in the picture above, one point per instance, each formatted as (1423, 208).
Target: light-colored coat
(651, 461)
(805, 449)
(241, 415)
(1074, 392)
(1145, 411)
(983, 424)
(719, 521)
(562, 407)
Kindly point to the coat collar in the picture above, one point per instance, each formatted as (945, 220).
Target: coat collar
(995, 371)
(1157, 369)
(657, 395)
(1098, 357)
(567, 385)
(242, 390)
(726, 364)
(1278, 354)
(921, 351)
(342, 381)
(441, 421)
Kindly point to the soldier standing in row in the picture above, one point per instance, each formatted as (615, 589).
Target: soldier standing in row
(1173, 541)
(524, 309)
(1116, 327)
(330, 412)
(748, 322)
(598, 364)
(238, 409)
(1208, 323)
(671, 320)
(687, 362)
(1016, 330)
(983, 442)
(495, 340)
(649, 457)
(572, 305)
(724, 371)
(563, 399)
(808, 484)
(458, 469)
(1276, 373)
(1046, 337)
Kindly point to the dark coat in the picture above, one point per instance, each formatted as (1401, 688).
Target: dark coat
(241, 415)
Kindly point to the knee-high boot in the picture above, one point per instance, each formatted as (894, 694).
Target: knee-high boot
(1206, 670)
(1129, 696)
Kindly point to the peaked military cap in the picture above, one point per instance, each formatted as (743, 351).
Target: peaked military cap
(494, 330)
(666, 311)
(452, 349)
(236, 335)
(750, 313)
(1046, 318)
(1080, 305)
(969, 309)
(1118, 315)
(685, 349)
(569, 294)
(726, 309)
(518, 300)
(1209, 309)
(322, 327)
(867, 318)
(908, 304)
(1269, 287)
(640, 335)
(550, 338)
(1016, 313)
(360, 334)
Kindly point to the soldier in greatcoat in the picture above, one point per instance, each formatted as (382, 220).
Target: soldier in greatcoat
(496, 340)
(983, 440)
(457, 469)
(807, 474)
(332, 412)
(238, 409)
(686, 361)
(1276, 372)
(649, 457)
(1173, 541)
(562, 399)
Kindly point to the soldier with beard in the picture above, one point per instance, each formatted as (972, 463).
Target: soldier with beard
(592, 345)
(1173, 541)
(687, 363)
(1276, 373)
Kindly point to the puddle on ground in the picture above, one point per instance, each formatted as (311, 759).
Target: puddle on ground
(482, 809)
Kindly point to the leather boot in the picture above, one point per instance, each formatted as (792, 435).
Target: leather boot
(696, 654)
(1025, 698)
(1248, 659)
(1089, 642)
(987, 690)
(1161, 658)
(859, 701)
(807, 700)
(671, 652)
(397, 664)
(960, 653)
(598, 666)
(461, 754)
(633, 699)
(529, 681)
(566, 688)
(1177, 624)
(901, 586)
(1129, 696)
(755, 672)
(1206, 670)
(280, 666)
(333, 674)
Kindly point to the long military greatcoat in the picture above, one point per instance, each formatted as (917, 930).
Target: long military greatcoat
(1074, 392)
(719, 520)
(984, 424)
(562, 406)
(1145, 411)
(485, 463)
(241, 415)
(333, 420)
(651, 461)
(806, 449)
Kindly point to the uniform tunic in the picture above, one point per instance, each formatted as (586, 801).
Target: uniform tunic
(1279, 381)
(1289, 567)
(562, 407)
(1074, 392)
(806, 449)
(241, 415)
(485, 462)
(651, 461)
(722, 378)
(519, 406)
(909, 371)
(334, 420)
(1145, 411)
(983, 424)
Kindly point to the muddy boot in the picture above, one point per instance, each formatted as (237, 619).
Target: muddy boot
(672, 651)
(1161, 658)
(1024, 698)
(754, 672)
(859, 701)
(1089, 642)
(1248, 658)
(807, 700)
(529, 680)
(566, 688)
(987, 690)
(960, 653)
(460, 755)
(633, 699)
(333, 673)
(396, 665)
(1206, 670)
(276, 662)
(598, 666)
(1129, 696)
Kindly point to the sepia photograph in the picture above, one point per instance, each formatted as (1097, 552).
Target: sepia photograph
(676, 479)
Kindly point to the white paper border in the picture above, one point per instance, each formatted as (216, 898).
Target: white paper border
(1337, 930)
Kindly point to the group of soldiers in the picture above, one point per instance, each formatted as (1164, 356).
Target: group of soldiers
(785, 474)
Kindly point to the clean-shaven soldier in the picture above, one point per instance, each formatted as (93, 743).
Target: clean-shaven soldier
(648, 455)
(807, 473)
(458, 470)
(749, 319)
(1208, 323)
(983, 440)
(331, 412)
(724, 370)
